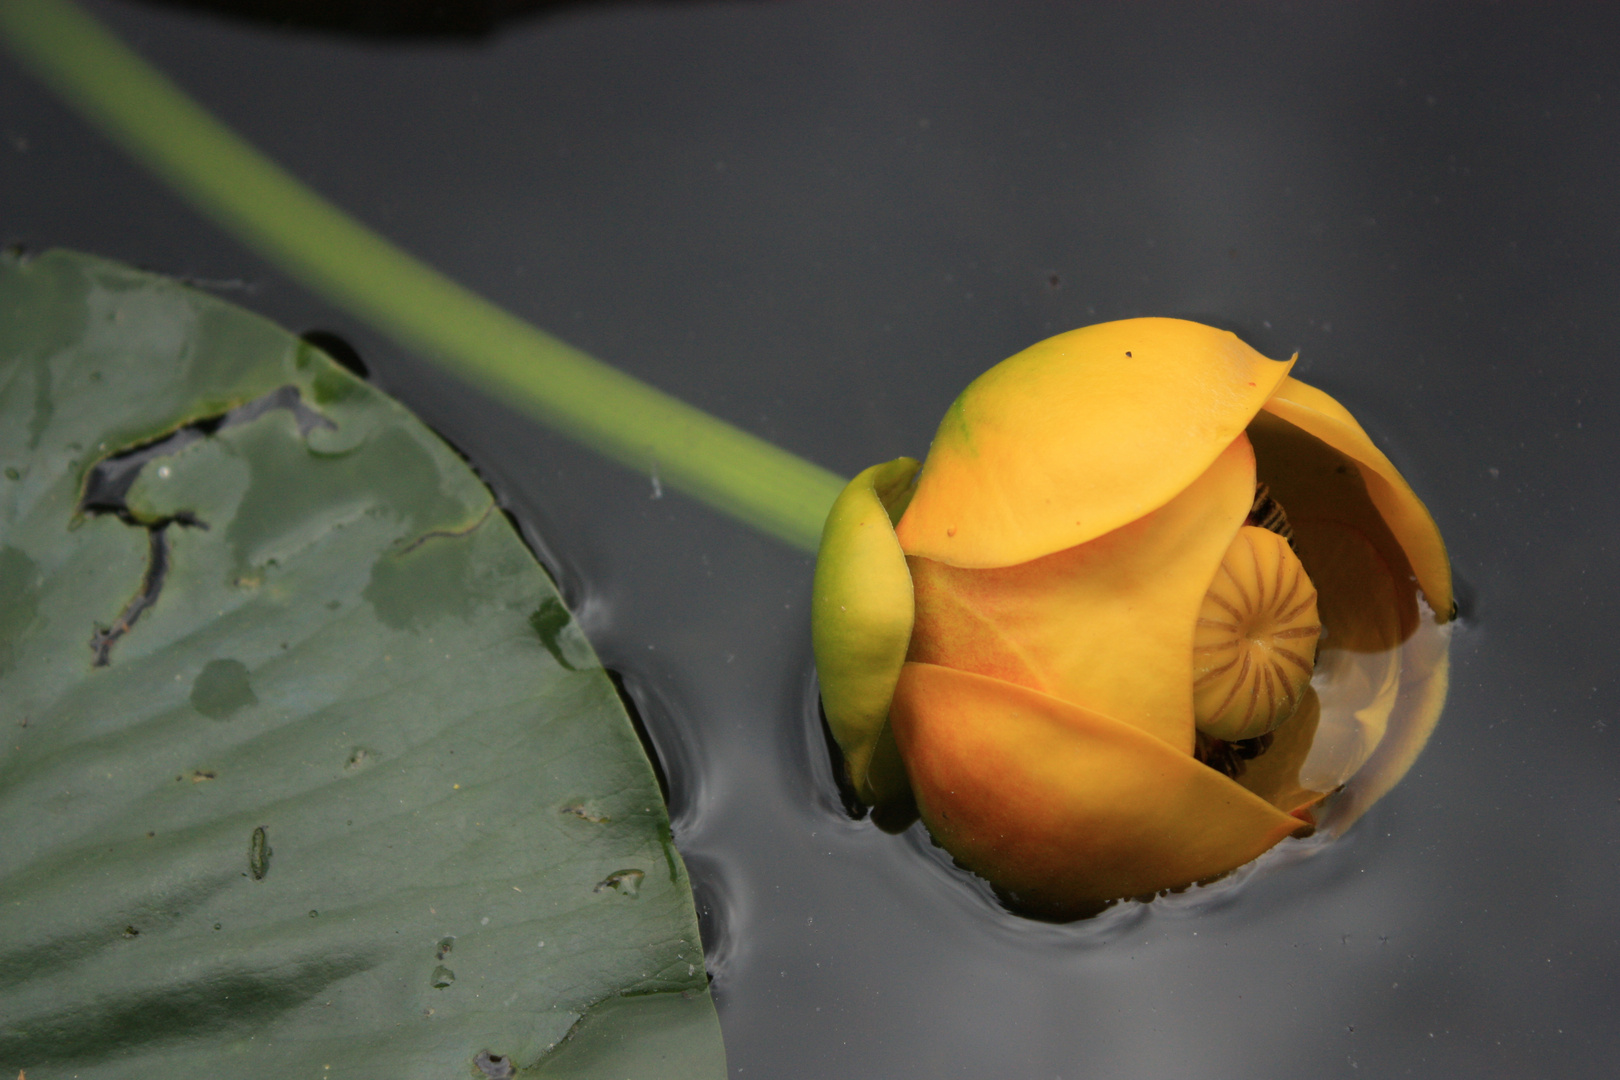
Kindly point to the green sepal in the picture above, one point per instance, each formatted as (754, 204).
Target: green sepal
(860, 624)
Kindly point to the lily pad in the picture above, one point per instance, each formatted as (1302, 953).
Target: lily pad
(304, 768)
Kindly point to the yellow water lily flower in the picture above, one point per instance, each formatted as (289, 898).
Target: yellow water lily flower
(1151, 606)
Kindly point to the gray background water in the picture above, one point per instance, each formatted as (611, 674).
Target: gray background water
(819, 221)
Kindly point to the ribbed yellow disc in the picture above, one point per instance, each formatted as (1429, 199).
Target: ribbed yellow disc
(1255, 644)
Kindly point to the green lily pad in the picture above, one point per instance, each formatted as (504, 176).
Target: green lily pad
(304, 768)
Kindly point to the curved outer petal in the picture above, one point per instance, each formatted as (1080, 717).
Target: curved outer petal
(1063, 807)
(1079, 435)
(860, 622)
(1317, 413)
(1107, 625)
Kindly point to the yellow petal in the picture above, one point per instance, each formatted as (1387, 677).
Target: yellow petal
(860, 619)
(1107, 625)
(1318, 414)
(1063, 807)
(1080, 435)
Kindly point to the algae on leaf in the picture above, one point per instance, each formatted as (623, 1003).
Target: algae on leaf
(295, 733)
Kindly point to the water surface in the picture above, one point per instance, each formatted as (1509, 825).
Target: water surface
(819, 221)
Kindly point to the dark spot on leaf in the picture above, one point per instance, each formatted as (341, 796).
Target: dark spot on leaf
(441, 977)
(495, 1066)
(548, 621)
(587, 813)
(259, 854)
(222, 688)
(131, 932)
(446, 944)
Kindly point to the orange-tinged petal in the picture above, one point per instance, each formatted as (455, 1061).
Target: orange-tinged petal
(1317, 413)
(1107, 625)
(1080, 435)
(860, 621)
(1061, 806)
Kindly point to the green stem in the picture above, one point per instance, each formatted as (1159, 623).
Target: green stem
(312, 240)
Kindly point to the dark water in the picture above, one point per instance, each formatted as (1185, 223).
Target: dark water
(819, 221)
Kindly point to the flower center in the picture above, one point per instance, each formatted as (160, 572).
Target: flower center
(1254, 647)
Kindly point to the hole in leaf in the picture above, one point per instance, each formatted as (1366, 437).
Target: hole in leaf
(624, 882)
(340, 350)
(495, 1066)
(259, 854)
(107, 487)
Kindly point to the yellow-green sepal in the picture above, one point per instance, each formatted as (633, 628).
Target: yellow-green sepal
(860, 624)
